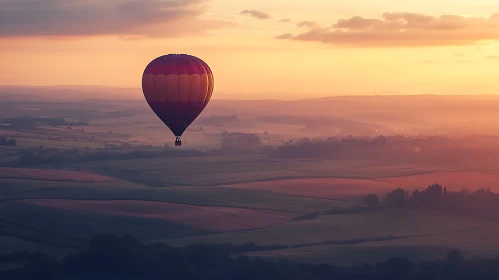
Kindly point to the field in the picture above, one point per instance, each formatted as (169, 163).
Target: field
(226, 197)
(342, 227)
(229, 170)
(348, 187)
(355, 254)
(235, 199)
(204, 217)
(56, 204)
(51, 175)
(473, 241)
(23, 181)
(60, 209)
(321, 187)
(471, 180)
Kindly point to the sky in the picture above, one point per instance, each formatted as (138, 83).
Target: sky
(286, 49)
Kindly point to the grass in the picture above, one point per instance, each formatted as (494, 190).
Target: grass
(53, 175)
(9, 160)
(474, 241)
(18, 181)
(27, 187)
(456, 181)
(240, 182)
(202, 196)
(15, 244)
(355, 255)
(322, 187)
(57, 144)
(51, 226)
(224, 170)
(481, 240)
(7, 151)
(205, 217)
(341, 227)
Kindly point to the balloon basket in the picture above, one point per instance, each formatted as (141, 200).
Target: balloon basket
(178, 142)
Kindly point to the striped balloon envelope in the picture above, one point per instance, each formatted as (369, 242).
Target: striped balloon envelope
(177, 87)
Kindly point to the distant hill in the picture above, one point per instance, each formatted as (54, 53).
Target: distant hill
(372, 115)
(67, 93)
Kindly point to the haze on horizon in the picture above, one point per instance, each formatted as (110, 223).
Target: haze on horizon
(258, 49)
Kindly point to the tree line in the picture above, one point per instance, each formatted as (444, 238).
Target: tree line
(111, 257)
(31, 122)
(482, 202)
(8, 142)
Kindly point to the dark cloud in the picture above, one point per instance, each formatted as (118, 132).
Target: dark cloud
(91, 17)
(405, 29)
(492, 57)
(256, 14)
(309, 24)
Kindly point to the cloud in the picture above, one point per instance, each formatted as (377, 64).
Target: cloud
(111, 17)
(492, 57)
(285, 20)
(256, 14)
(284, 36)
(309, 24)
(404, 29)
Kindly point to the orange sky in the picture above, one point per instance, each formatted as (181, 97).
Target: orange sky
(327, 47)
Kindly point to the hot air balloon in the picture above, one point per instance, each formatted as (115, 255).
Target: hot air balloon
(177, 87)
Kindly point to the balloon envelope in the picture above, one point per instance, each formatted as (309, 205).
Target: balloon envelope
(177, 87)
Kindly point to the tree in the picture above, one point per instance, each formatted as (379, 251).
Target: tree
(372, 200)
(397, 198)
(454, 256)
(434, 191)
(415, 196)
(12, 142)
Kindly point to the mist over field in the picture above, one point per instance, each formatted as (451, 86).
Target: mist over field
(249, 139)
(339, 180)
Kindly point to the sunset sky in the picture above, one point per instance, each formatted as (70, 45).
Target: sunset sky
(284, 49)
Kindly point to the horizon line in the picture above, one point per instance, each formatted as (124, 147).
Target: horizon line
(259, 98)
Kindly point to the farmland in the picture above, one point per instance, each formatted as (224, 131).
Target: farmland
(205, 217)
(51, 175)
(229, 170)
(341, 228)
(59, 209)
(458, 180)
(62, 184)
(473, 241)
